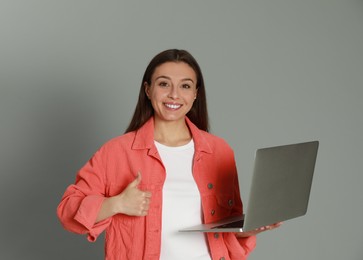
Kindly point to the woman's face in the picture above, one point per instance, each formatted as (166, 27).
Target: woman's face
(172, 91)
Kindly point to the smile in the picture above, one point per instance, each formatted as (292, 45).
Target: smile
(172, 106)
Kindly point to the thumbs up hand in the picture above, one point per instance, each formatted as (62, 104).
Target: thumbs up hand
(132, 201)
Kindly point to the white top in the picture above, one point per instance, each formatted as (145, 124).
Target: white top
(181, 206)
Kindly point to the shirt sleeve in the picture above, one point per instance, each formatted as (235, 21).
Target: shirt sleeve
(82, 201)
(247, 244)
(239, 248)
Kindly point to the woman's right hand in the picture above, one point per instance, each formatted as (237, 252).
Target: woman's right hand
(132, 201)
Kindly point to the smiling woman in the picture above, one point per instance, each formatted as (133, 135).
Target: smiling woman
(164, 174)
(172, 93)
(198, 113)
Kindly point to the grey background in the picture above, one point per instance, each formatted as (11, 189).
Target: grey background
(276, 72)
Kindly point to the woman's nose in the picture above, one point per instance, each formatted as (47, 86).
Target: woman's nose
(173, 92)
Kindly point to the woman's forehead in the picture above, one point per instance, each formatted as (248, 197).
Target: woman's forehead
(175, 70)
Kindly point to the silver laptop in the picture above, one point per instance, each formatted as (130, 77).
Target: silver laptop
(280, 189)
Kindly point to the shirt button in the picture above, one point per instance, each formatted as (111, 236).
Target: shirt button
(210, 186)
(222, 258)
(230, 203)
(212, 212)
(216, 235)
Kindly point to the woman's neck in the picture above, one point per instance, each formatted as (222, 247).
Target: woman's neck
(171, 133)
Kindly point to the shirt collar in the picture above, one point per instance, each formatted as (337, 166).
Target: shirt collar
(144, 137)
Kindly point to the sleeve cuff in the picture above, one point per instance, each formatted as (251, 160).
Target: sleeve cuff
(248, 243)
(87, 214)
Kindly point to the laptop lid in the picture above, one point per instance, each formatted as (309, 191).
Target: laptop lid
(280, 189)
(281, 184)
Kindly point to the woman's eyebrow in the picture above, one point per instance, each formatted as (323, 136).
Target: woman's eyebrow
(162, 77)
(166, 77)
(188, 79)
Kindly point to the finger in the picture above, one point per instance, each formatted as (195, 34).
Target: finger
(144, 213)
(147, 194)
(263, 228)
(146, 206)
(273, 226)
(137, 181)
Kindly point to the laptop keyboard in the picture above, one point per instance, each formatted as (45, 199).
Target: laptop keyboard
(236, 224)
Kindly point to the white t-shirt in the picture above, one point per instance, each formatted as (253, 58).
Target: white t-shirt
(181, 206)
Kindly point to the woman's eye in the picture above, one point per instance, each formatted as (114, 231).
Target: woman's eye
(163, 84)
(186, 86)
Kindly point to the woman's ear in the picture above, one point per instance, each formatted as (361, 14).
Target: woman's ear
(147, 89)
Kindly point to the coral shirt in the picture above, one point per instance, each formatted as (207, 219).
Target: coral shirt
(116, 164)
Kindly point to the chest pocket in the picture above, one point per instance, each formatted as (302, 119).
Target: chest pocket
(216, 207)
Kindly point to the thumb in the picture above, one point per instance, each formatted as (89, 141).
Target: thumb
(137, 181)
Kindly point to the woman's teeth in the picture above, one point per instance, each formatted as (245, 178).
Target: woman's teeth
(172, 106)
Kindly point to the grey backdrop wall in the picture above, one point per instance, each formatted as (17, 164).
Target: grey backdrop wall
(276, 72)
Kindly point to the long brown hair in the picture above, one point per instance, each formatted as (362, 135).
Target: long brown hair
(198, 114)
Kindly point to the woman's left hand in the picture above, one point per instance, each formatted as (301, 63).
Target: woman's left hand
(258, 231)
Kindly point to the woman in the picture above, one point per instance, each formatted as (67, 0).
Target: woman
(165, 173)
